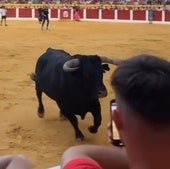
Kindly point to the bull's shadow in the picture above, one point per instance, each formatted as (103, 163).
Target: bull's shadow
(74, 82)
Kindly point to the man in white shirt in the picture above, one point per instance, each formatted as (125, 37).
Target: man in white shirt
(3, 12)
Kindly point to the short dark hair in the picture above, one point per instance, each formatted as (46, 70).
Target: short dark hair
(143, 82)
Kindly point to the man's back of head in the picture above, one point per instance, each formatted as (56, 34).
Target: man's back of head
(143, 82)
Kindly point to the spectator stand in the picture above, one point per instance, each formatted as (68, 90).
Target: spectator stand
(101, 13)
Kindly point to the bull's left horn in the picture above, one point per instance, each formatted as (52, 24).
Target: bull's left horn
(105, 59)
(71, 65)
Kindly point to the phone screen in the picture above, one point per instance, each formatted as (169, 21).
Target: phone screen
(115, 135)
(113, 129)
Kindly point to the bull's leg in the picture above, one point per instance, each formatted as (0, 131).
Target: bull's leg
(96, 112)
(73, 120)
(40, 106)
(62, 117)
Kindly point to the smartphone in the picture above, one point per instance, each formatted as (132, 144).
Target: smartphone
(115, 135)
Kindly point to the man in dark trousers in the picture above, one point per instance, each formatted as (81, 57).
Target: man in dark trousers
(40, 16)
(45, 17)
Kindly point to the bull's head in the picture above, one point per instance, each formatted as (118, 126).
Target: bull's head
(91, 73)
(73, 64)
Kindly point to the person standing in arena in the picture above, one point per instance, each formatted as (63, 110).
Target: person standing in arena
(150, 15)
(45, 17)
(3, 12)
(76, 15)
(40, 17)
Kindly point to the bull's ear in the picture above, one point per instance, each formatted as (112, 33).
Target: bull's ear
(105, 67)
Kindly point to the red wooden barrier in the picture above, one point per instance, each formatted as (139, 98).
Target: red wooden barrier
(167, 15)
(25, 13)
(157, 16)
(139, 15)
(11, 13)
(36, 13)
(92, 13)
(81, 13)
(136, 15)
(54, 13)
(65, 13)
(124, 14)
(108, 14)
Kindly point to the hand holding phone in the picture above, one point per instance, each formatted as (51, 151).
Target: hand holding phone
(115, 136)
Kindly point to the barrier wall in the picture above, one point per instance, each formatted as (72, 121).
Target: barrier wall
(109, 15)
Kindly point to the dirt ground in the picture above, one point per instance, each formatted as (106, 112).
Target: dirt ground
(22, 42)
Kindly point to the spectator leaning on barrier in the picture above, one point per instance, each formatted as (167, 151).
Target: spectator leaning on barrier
(3, 12)
(150, 15)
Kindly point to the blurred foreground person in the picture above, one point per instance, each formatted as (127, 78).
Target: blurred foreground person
(142, 117)
(14, 162)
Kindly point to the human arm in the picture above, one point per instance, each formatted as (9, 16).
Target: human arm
(106, 157)
(14, 162)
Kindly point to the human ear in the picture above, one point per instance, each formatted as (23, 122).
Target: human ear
(116, 116)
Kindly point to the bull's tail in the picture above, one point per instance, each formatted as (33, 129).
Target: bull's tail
(33, 76)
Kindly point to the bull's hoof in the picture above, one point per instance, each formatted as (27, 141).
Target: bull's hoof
(62, 117)
(40, 112)
(41, 115)
(92, 129)
(80, 139)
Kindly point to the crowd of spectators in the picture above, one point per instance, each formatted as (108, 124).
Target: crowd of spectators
(95, 4)
(85, 2)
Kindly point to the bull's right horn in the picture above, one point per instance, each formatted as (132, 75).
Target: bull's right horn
(105, 59)
(71, 65)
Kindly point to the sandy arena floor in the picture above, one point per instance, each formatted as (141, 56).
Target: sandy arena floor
(22, 42)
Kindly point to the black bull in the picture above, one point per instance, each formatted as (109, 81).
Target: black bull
(74, 82)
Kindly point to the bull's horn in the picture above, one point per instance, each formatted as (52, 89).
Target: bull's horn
(105, 59)
(71, 65)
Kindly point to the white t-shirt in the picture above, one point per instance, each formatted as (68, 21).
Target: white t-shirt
(3, 11)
